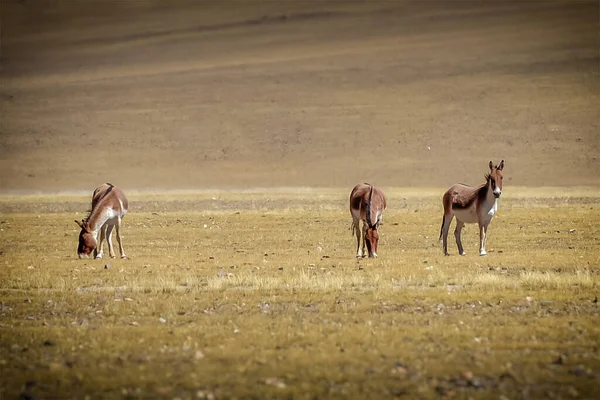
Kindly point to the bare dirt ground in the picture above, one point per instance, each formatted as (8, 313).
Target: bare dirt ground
(239, 94)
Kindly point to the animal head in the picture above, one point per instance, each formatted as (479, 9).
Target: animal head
(495, 178)
(372, 238)
(87, 240)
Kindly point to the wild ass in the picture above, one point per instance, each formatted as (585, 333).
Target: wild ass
(367, 204)
(109, 206)
(471, 205)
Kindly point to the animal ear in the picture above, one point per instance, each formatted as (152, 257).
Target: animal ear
(491, 166)
(501, 166)
(80, 223)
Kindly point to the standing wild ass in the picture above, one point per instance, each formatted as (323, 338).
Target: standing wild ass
(471, 205)
(109, 206)
(367, 204)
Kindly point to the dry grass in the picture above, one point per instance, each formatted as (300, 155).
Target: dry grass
(245, 301)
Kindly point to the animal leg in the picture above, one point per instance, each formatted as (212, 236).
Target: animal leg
(123, 256)
(482, 232)
(100, 245)
(111, 250)
(485, 230)
(445, 228)
(457, 232)
(364, 240)
(356, 232)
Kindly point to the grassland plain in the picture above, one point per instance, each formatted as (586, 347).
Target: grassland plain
(258, 294)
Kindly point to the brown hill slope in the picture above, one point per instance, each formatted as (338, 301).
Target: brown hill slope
(257, 94)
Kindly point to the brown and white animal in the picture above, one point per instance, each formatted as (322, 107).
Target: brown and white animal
(472, 205)
(109, 206)
(367, 204)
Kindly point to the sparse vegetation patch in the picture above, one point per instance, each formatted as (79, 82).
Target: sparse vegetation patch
(253, 303)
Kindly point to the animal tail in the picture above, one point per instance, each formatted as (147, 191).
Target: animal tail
(369, 222)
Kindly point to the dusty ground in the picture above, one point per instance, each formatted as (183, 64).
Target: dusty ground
(259, 94)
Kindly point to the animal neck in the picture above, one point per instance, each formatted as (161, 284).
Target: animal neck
(97, 218)
(489, 193)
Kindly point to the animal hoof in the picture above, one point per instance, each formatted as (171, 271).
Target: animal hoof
(123, 257)
(483, 254)
(463, 254)
(98, 257)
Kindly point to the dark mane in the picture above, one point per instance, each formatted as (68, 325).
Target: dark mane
(91, 213)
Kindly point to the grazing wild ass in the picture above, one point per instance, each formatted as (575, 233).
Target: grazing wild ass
(472, 205)
(367, 204)
(109, 206)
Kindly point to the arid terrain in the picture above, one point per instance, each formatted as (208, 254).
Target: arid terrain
(237, 129)
(245, 94)
(260, 296)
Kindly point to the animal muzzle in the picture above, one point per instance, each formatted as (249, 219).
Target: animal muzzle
(83, 256)
(497, 193)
